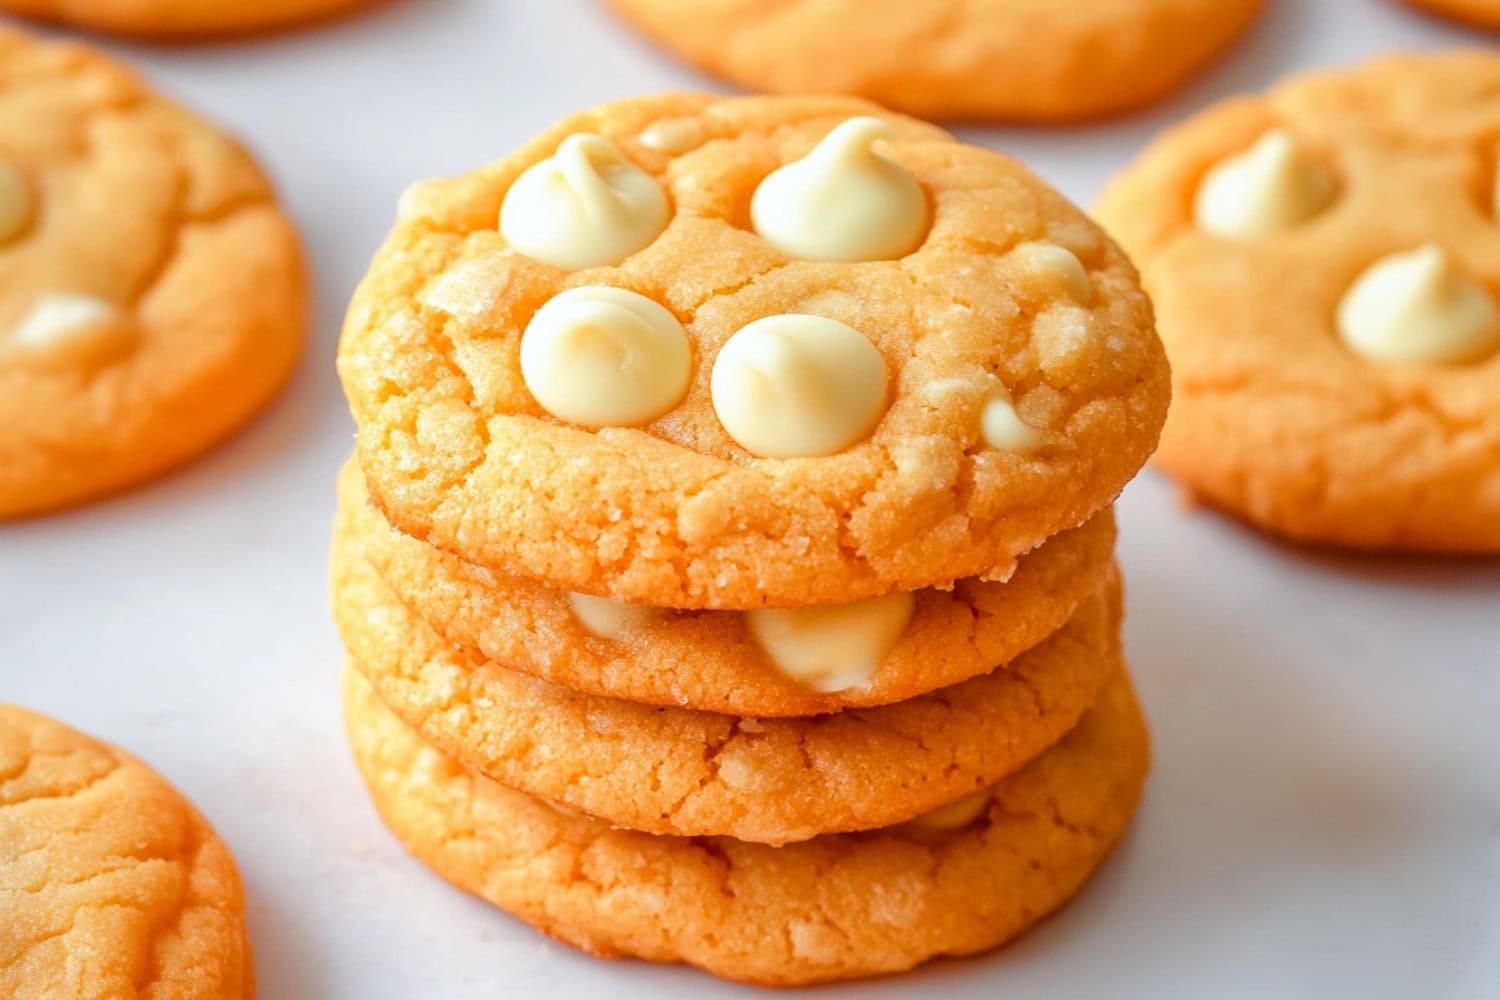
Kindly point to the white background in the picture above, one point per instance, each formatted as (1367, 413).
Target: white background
(1324, 817)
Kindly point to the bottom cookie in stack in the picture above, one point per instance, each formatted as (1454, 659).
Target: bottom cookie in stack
(961, 879)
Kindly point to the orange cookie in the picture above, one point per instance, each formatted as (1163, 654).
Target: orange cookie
(671, 770)
(955, 882)
(762, 663)
(1325, 263)
(152, 294)
(1028, 60)
(645, 358)
(169, 19)
(111, 884)
(1484, 13)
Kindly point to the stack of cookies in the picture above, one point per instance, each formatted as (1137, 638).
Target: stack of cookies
(726, 565)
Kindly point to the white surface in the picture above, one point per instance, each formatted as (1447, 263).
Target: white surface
(1324, 818)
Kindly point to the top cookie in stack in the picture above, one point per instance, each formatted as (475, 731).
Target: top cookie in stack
(741, 469)
(874, 372)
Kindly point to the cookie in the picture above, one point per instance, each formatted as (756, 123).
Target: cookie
(1325, 263)
(1483, 13)
(764, 663)
(772, 398)
(152, 294)
(111, 884)
(672, 770)
(835, 907)
(1017, 60)
(169, 19)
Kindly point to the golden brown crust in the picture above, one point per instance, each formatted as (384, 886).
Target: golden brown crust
(670, 770)
(836, 907)
(1030, 60)
(111, 884)
(706, 660)
(1274, 418)
(152, 210)
(457, 453)
(180, 19)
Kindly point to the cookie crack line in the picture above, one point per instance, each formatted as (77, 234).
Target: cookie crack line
(1444, 421)
(61, 793)
(168, 923)
(183, 222)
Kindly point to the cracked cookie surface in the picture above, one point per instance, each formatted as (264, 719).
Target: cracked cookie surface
(1031, 60)
(835, 907)
(111, 884)
(179, 18)
(675, 513)
(152, 294)
(708, 660)
(672, 770)
(1274, 417)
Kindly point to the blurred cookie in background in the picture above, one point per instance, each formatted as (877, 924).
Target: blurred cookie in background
(1009, 60)
(1325, 263)
(180, 19)
(152, 293)
(1481, 13)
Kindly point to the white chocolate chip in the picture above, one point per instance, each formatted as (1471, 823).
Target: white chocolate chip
(605, 357)
(15, 202)
(1270, 187)
(672, 135)
(56, 319)
(608, 618)
(832, 648)
(586, 206)
(1418, 307)
(561, 809)
(1057, 269)
(1002, 427)
(797, 386)
(953, 816)
(842, 202)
